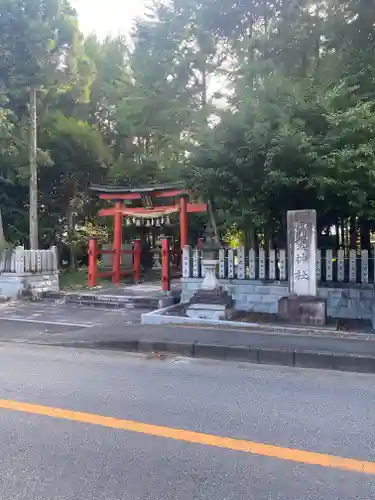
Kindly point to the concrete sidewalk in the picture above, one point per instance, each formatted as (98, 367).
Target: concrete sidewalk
(338, 352)
(76, 325)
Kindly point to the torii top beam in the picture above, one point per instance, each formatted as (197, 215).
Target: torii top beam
(149, 195)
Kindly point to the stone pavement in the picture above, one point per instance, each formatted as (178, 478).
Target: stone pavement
(74, 325)
(145, 288)
(146, 295)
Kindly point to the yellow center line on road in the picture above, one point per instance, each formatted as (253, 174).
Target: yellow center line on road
(262, 449)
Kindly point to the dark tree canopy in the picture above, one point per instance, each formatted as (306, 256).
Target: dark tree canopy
(259, 106)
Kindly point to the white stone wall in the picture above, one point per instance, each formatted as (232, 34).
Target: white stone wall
(331, 266)
(356, 301)
(22, 261)
(33, 271)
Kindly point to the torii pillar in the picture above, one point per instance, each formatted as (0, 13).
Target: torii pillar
(184, 223)
(117, 244)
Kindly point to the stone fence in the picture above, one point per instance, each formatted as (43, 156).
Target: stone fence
(21, 261)
(338, 266)
(28, 271)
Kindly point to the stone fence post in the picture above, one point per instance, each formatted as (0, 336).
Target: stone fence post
(20, 260)
(186, 262)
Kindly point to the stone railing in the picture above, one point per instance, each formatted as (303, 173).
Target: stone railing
(21, 261)
(272, 265)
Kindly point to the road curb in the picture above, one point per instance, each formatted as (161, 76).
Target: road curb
(283, 357)
(165, 316)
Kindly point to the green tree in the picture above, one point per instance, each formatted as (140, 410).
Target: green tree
(79, 157)
(36, 40)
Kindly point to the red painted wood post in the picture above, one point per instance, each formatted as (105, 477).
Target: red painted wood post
(165, 265)
(184, 224)
(93, 255)
(117, 245)
(137, 260)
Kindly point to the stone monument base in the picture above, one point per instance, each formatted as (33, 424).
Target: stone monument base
(210, 304)
(208, 311)
(303, 310)
(14, 285)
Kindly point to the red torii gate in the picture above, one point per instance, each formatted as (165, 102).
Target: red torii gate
(149, 196)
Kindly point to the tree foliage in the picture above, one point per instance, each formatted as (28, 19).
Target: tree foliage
(259, 106)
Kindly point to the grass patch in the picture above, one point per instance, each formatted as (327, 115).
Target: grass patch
(77, 279)
(74, 279)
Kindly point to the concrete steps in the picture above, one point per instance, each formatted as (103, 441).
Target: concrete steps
(111, 301)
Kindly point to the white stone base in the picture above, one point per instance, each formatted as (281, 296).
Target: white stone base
(11, 286)
(44, 282)
(210, 281)
(14, 285)
(207, 311)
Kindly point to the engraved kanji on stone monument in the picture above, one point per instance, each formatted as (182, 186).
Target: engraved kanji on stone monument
(222, 263)
(302, 252)
(329, 265)
(262, 264)
(272, 265)
(231, 263)
(196, 263)
(364, 266)
(252, 264)
(352, 266)
(241, 264)
(318, 265)
(186, 260)
(340, 265)
(282, 265)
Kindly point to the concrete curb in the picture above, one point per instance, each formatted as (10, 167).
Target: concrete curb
(282, 357)
(161, 317)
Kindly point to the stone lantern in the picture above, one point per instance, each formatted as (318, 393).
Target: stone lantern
(210, 251)
(210, 301)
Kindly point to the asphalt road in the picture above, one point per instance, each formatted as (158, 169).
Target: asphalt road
(43, 457)
(55, 322)
(76, 325)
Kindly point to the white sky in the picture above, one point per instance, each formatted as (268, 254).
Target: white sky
(107, 17)
(113, 17)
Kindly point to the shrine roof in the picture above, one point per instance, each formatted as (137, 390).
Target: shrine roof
(105, 189)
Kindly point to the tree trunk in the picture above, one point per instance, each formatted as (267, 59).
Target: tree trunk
(252, 243)
(347, 239)
(251, 51)
(70, 224)
(33, 210)
(204, 88)
(337, 233)
(317, 50)
(364, 225)
(343, 235)
(266, 48)
(353, 233)
(211, 211)
(213, 221)
(2, 237)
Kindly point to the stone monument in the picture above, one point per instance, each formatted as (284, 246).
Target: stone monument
(302, 305)
(210, 301)
(156, 257)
